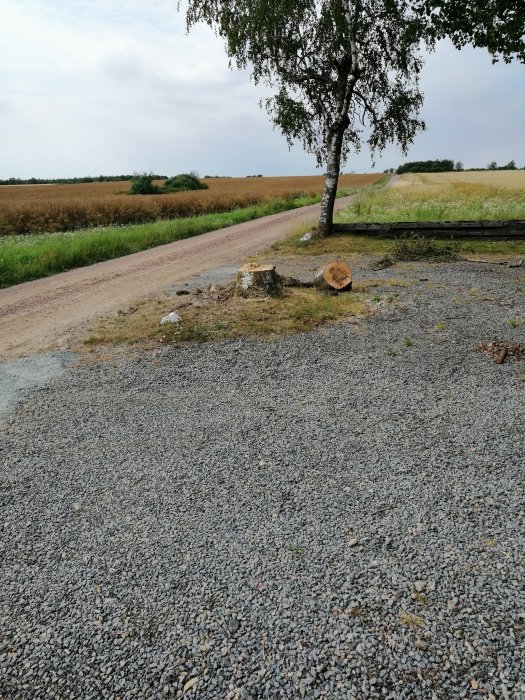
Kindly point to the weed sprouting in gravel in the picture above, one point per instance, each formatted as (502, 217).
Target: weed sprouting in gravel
(411, 620)
(408, 342)
(515, 322)
(296, 549)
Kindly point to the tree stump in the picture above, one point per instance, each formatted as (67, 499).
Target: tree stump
(255, 280)
(335, 275)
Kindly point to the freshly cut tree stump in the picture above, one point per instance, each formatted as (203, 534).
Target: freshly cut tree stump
(255, 280)
(334, 275)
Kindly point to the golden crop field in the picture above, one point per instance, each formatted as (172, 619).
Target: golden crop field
(493, 178)
(49, 208)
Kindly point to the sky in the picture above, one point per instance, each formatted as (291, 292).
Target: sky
(91, 87)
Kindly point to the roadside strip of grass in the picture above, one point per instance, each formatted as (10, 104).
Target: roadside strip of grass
(351, 246)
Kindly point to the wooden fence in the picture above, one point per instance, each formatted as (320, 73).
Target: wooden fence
(438, 229)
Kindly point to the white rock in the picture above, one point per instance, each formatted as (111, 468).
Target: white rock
(171, 318)
(307, 237)
(420, 586)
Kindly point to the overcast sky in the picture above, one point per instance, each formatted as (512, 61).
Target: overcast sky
(116, 86)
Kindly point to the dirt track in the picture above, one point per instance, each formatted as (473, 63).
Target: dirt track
(51, 312)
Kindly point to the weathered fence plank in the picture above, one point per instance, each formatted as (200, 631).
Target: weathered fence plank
(438, 229)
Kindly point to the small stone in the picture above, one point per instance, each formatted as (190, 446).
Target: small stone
(173, 317)
(77, 507)
(420, 586)
(233, 625)
(307, 237)
(474, 684)
(353, 542)
(421, 644)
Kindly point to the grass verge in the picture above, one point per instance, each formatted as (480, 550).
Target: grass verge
(300, 310)
(351, 246)
(458, 202)
(28, 257)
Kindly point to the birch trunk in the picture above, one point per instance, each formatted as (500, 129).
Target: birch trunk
(333, 165)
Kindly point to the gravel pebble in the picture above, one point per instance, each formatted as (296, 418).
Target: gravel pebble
(211, 549)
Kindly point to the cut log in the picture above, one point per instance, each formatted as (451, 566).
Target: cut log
(258, 280)
(334, 275)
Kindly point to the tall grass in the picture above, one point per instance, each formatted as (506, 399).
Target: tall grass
(461, 201)
(28, 257)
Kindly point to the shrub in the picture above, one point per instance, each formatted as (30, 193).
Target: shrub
(419, 248)
(184, 183)
(143, 184)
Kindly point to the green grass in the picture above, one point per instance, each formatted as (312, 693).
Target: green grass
(28, 257)
(460, 202)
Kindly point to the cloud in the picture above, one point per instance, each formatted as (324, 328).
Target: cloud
(96, 86)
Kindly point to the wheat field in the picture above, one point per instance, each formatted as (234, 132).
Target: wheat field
(490, 178)
(50, 208)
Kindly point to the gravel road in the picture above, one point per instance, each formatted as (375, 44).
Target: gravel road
(334, 515)
(47, 313)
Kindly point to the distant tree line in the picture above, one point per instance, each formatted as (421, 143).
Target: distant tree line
(73, 180)
(445, 166)
(426, 166)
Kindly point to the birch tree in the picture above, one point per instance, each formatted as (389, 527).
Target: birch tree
(345, 73)
(342, 71)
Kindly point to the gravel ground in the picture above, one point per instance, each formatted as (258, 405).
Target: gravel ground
(334, 515)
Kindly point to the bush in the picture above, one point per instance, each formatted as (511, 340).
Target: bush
(419, 248)
(184, 183)
(143, 184)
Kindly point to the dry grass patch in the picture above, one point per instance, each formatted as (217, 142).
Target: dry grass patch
(205, 319)
(411, 620)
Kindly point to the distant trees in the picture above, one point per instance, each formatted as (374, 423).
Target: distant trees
(427, 166)
(511, 165)
(142, 183)
(446, 165)
(184, 183)
(72, 180)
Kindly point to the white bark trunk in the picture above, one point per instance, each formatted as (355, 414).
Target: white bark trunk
(333, 165)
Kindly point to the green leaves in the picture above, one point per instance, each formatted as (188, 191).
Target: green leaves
(497, 25)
